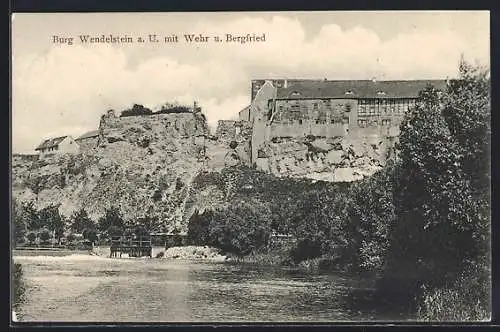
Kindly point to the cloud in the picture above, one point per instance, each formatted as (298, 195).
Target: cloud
(65, 90)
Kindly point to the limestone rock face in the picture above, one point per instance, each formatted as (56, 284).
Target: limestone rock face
(339, 159)
(144, 165)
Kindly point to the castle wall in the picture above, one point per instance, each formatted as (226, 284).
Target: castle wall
(259, 113)
(338, 117)
(239, 132)
(244, 114)
(318, 117)
(87, 144)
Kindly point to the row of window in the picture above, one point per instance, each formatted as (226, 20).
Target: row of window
(363, 123)
(317, 121)
(327, 103)
(52, 148)
(365, 106)
(376, 107)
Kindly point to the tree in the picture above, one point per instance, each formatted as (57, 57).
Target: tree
(80, 220)
(441, 198)
(19, 223)
(198, 227)
(242, 228)
(90, 234)
(112, 218)
(52, 220)
(30, 215)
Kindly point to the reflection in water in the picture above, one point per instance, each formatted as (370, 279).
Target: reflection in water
(88, 288)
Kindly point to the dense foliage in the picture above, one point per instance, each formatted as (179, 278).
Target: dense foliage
(168, 108)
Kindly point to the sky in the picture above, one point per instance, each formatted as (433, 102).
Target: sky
(61, 89)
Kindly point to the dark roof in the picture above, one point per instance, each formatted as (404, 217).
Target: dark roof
(89, 134)
(303, 89)
(51, 142)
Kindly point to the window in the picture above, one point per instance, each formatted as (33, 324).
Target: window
(362, 110)
(362, 123)
(349, 92)
(315, 106)
(300, 121)
(383, 106)
(386, 122)
(332, 121)
(281, 107)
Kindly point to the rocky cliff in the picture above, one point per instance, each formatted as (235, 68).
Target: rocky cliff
(142, 164)
(339, 159)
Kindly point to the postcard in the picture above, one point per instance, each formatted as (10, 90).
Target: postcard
(249, 167)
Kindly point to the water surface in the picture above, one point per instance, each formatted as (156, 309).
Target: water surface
(82, 288)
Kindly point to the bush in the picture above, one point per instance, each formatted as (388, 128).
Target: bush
(198, 227)
(233, 145)
(71, 238)
(240, 229)
(111, 220)
(90, 234)
(467, 299)
(136, 110)
(45, 236)
(31, 237)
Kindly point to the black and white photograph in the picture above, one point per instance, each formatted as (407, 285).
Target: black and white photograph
(250, 167)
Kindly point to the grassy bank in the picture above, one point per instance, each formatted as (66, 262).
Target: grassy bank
(466, 299)
(18, 287)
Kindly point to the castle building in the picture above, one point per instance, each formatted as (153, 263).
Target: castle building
(329, 108)
(88, 141)
(57, 145)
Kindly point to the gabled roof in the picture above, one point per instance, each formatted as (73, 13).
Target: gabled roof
(89, 134)
(354, 89)
(51, 142)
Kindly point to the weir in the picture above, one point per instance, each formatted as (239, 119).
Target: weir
(133, 246)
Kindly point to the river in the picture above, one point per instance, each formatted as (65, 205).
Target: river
(83, 288)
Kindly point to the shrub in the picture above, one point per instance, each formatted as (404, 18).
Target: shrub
(111, 220)
(241, 228)
(80, 220)
(90, 234)
(31, 237)
(233, 145)
(198, 227)
(45, 236)
(71, 238)
(157, 195)
(466, 299)
(136, 110)
(18, 286)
